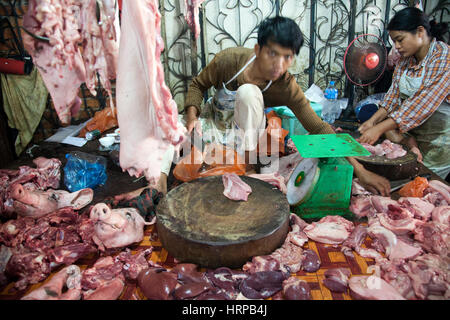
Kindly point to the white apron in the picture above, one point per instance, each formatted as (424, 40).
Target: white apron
(433, 135)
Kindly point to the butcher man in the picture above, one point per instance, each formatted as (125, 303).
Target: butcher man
(247, 81)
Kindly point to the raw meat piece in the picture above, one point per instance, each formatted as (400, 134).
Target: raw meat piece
(420, 208)
(398, 278)
(311, 261)
(296, 289)
(146, 113)
(399, 226)
(361, 206)
(336, 279)
(372, 288)
(296, 235)
(381, 204)
(235, 188)
(386, 148)
(5, 255)
(330, 230)
(358, 189)
(30, 268)
(404, 251)
(40, 245)
(134, 264)
(386, 237)
(191, 15)
(274, 179)
(429, 275)
(441, 215)
(227, 280)
(289, 256)
(157, 284)
(104, 281)
(261, 263)
(355, 240)
(261, 285)
(434, 237)
(441, 188)
(69, 277)
(117, 227)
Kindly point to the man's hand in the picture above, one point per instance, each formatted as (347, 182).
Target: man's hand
(191, 118)
(370, 136)
(373, 182)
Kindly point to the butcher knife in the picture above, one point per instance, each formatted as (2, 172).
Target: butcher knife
(397, 184)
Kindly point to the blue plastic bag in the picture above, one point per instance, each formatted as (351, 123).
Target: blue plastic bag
(84, 170)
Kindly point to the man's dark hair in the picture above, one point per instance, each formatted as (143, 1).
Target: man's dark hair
(281, 30)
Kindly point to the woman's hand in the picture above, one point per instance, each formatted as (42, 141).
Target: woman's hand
(366, 125)
(373, 182)
(370, 136)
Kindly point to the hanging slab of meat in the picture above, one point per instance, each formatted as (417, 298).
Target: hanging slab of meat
(191, 15)
(235, 188)
(68, 279)
(115, 228)
(330, 230)
(59, 61)
(387, 148)
(372, 288)
(37, 203)
(147, 114)
(101, 37)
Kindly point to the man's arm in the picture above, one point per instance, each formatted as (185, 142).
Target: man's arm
(369, 180)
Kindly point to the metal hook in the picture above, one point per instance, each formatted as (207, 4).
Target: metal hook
(35, 36)
(98, 12)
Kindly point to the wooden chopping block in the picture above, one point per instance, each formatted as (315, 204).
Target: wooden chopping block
(393, 169)
(196, 223)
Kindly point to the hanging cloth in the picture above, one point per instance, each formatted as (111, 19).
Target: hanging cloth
(24, 101)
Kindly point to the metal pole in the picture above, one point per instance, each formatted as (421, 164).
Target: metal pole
(350, 88)
(312, 42)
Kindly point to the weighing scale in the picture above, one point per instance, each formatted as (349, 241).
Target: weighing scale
(321, 183)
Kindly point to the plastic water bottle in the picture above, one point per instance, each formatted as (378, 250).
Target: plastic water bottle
(331, 107)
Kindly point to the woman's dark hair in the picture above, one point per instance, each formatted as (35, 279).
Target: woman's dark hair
(283, 31)
(409, 19)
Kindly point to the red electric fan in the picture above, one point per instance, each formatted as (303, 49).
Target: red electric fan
(365, 59)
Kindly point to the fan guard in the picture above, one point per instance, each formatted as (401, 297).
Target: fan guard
(365, 59)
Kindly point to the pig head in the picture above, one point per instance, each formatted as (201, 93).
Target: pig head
(115, 228)
(37, 203)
